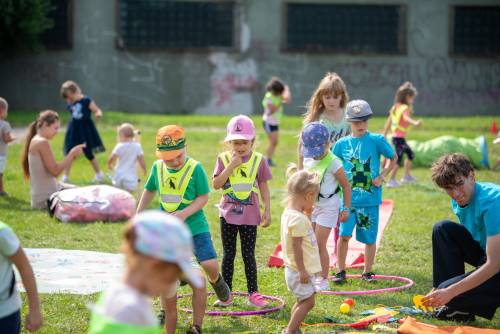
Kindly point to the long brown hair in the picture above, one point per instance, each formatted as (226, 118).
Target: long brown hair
(44, 117)
(405, 91)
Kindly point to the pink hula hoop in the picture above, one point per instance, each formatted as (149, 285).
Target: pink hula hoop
(238, 313)
(409, 284)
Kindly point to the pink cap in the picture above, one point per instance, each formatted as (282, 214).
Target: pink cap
(240, 128)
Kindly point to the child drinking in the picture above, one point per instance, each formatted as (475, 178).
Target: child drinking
(360, 153)
(315, 140)
(158, 248)
(399, 121)
(81, 128)
(277, 94)
(128, 152)
(300, 249)
(242, 173)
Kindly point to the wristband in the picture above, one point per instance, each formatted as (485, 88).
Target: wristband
(346, 209)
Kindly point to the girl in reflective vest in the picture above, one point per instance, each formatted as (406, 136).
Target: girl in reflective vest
(277, 94)
(399, 121)
(242, 173)
(315, 147)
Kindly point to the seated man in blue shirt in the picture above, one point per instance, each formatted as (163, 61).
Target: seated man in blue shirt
(475, 240)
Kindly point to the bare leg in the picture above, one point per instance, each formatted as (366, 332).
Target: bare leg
(300, 310)
(408, 164)
(170, 307)
(273, 142)
(95, 165)
(199, 304)
(1, 182)
(322, 234)
(370, 250)
(342, 247)
(394, 172)
(211, 268)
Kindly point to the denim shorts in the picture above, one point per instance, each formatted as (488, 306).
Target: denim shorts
(203, 247)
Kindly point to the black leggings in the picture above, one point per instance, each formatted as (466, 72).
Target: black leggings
(248, 237)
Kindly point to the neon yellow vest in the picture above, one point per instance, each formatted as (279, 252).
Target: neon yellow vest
(277, 101)
(102, 325)
(173, 185)
(396, 115)
(3, 225)
(243, 177)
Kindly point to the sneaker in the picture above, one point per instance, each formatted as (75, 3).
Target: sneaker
(408, 179)
(161, 317)
(340, 277)
(449, 314)
(220, 303)
(392, 183)
(65, 179)
(323, 284)
(195, 329)
(99, 178)
(257, 300)
(221, 289)
(368, 277)
(271, 163)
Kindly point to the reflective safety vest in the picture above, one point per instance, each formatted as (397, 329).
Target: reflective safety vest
(242, 179)
(173, 185)
(102, 325)
(321, 168)
(276, 101)
(396, 115)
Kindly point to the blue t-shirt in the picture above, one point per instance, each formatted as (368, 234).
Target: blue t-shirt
(361, 159)
(481, 217)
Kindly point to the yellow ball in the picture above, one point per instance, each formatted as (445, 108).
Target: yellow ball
(345, 308)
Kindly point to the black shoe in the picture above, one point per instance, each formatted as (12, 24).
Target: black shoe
(221, 289)
(271, 163)
(449, 314)
(368, 277)
(340, 277)
(161, 317)
(195, 329)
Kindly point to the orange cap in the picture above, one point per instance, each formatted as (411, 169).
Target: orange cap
(170, 141)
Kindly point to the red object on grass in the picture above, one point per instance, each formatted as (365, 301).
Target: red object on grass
(349, 301)
(494, 127)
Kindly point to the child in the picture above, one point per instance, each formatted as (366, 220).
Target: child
(11, 252)
(158, 248)
(182, 185)
(315, 140)
(128, 152)
(399, 121)
(300, 249)
(81, 128)
(327, 106)
(277, 94)
(241, 173)
(360, 153)
(5, 138)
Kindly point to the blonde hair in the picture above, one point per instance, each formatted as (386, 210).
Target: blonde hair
(127, 130)
(3, 104)
(405, 91)
(331, 84)
(69, 87)
(300, 182)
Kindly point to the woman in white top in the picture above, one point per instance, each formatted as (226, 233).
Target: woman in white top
(39, 163)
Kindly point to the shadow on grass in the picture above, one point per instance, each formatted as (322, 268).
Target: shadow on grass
(14, 203)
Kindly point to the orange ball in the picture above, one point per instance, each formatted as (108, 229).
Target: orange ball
(345, 308)
(349, 301)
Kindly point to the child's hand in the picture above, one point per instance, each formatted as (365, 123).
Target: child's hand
(77, 150)
(110, 165)
(304, 277)
(235, 160)
(418, 123)
(98, 114)
(34, 320)
(377, 181)
(344, 215)
(180, 214)
(266, 218)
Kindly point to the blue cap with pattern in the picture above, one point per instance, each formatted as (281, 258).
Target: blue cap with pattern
(314, 138)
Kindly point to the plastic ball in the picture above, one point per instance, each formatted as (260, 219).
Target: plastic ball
(349, 301)
(345, 308)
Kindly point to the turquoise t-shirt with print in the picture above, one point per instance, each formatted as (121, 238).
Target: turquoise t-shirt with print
(361, 159)
(481, 216)
(197, 186)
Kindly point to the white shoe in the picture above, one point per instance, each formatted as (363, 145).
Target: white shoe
(323, 284)
(99, 178)
(65, 179)
(392, 183)
(408, 179)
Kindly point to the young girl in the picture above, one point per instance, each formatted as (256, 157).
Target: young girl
(277, 94)
(300, 249)
(81, 128)
(399, 121)
(127, 152)
(242, 173)
(158, 248)
(315, 140)
(327, 106)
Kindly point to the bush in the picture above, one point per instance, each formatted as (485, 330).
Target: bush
(21, 24)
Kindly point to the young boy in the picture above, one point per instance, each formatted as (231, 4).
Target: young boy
(360, 153)
(182, 185)
(5, 138)
(11, 252)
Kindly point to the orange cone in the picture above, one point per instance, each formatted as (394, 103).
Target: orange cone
(494, 127)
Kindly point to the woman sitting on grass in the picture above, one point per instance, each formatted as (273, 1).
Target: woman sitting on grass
(38, 160)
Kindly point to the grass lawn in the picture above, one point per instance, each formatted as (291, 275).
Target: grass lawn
(405, 249)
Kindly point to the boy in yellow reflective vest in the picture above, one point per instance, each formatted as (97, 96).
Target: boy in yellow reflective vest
(399, 121)
(182, 185)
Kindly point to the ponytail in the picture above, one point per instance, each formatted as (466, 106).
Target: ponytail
(46, 116)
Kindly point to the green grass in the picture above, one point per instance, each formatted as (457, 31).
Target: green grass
(405, 249)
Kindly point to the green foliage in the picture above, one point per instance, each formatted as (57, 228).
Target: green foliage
(21, 24)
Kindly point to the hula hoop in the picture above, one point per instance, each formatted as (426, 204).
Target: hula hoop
(238, 313)
(409, 284)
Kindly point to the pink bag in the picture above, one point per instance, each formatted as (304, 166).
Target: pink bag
(92, 203)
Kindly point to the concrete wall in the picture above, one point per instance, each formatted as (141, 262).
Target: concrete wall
(233, 82)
